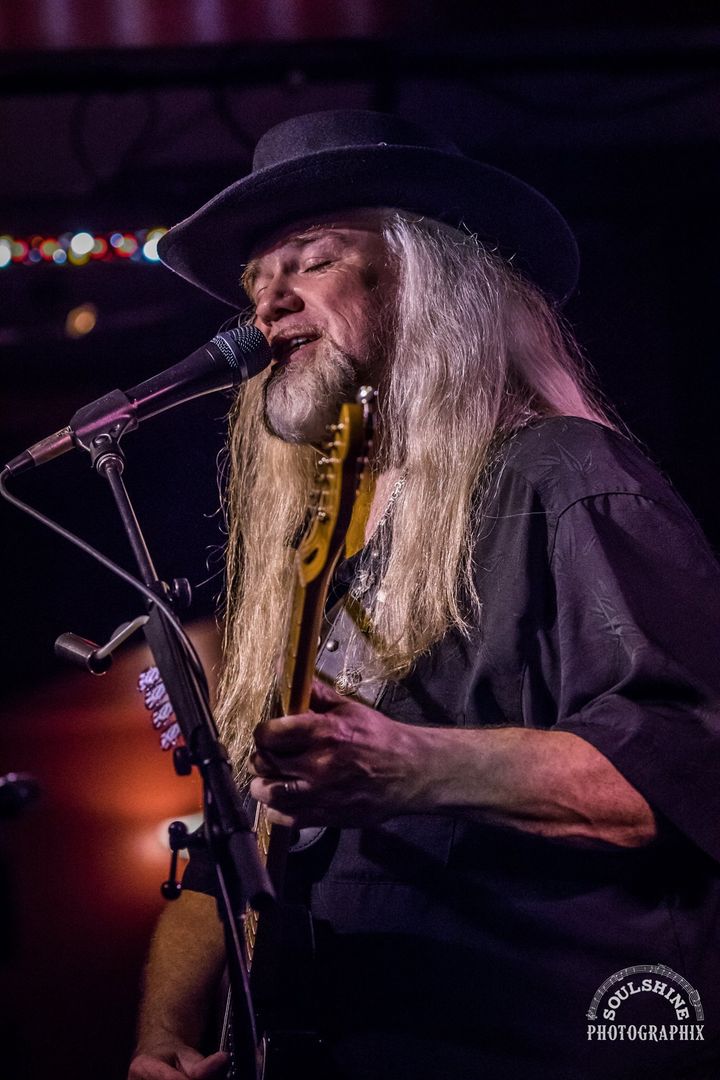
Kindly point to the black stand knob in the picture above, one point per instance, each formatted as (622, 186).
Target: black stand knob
(178, 838)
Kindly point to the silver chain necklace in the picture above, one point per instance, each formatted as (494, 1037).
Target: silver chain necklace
(365, 576)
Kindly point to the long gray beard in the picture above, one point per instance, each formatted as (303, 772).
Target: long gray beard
(301, 399)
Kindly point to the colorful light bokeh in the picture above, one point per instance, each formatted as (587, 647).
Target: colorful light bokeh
(81, 247)
(81, 320)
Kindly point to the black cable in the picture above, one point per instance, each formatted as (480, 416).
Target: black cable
(162, 605)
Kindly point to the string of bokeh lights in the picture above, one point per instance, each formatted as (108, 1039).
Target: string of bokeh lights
(81, 248)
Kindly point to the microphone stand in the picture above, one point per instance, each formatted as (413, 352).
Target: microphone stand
(241, 876)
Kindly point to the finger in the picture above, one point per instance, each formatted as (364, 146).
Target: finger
(265, 764)
(146, 1067)
(285, 734)
(282, 795)
(275, 817)
(188, 1057)
(323, 696)
(210, 1067)
(272, 813)
(284, 768)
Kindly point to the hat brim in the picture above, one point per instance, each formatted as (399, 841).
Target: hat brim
(210, 247)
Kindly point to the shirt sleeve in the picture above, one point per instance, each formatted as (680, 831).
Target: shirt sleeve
(637, 651)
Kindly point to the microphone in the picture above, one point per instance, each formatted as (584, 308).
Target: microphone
(231, 358)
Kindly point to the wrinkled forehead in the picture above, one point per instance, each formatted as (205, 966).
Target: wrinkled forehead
(366, 219)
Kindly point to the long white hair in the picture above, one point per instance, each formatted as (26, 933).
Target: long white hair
(474, 353)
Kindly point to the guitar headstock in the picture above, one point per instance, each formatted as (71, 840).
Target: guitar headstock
(341, 468)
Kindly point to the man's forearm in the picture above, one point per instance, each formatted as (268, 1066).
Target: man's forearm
(183, 972)
(549, 782)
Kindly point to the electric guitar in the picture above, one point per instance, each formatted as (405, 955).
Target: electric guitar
(342, 475)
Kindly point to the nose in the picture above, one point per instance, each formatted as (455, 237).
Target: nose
(277, 298)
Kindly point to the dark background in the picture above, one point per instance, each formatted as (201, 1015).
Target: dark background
(127, 116)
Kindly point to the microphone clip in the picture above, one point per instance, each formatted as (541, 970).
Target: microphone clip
(103, 423)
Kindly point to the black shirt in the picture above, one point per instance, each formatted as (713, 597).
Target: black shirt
(455, 949)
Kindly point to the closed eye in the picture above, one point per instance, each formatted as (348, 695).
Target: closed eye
(318, 265)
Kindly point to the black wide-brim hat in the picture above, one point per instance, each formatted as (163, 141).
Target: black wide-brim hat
(329, 161)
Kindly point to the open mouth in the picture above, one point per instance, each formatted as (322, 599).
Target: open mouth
(285, 348)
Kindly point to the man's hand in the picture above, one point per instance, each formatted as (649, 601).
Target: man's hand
(342, 763)
(174, 1061)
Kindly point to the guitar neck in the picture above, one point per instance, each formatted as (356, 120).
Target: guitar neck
(304, 629)
(344, 461)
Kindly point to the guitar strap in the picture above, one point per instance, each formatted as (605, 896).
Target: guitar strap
(344, 626)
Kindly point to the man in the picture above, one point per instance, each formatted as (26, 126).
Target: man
(520, 878)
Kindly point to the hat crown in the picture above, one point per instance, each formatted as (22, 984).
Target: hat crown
(337, 159)
(339, 129)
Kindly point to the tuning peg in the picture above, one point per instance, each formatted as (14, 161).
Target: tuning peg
(366, 395)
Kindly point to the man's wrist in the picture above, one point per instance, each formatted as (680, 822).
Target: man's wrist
(436, 756)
